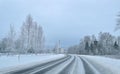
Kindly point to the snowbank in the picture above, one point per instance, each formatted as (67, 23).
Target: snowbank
(107, 65)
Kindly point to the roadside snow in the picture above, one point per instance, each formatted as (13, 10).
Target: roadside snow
(24, 61)
(106, 65)
(113, 56)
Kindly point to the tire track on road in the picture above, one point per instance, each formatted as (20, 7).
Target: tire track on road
(89, 69)
(57, 69)
(66, 70)
(50, 67)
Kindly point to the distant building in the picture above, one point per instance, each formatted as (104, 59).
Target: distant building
(61, 50)
(58, 49)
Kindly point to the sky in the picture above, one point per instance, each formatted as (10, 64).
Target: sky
(64, 20)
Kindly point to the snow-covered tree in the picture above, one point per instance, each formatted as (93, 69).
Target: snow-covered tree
(82, 47)
(3, 45)
(106, 41)
(104, 44)
(87, 41)
(31, 37)
(11, 40)
(73, 49)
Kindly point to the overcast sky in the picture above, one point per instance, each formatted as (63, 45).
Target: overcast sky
(65, 20)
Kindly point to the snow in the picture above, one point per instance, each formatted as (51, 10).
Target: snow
(92, 67)
(106, 65)
(99, 64)
(78, 67)
(23, 61)
(113, 56)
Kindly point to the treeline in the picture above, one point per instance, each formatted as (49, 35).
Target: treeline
(30, 40)
(104, 44)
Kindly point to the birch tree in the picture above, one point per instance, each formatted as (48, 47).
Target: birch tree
(32, 37)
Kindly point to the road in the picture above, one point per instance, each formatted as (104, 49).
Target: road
(70, 64)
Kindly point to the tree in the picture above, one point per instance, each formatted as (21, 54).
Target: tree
(81, 47)
(31, 36)
(92, 48)
(118, 40)
(87, 41)
(40, 38)
(11, 39)
(73, 49)
(116, 45)
(106, 42)
(4, 45)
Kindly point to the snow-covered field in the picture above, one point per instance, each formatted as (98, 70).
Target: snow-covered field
(13, 61)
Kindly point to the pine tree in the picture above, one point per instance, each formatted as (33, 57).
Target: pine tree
(116, 45)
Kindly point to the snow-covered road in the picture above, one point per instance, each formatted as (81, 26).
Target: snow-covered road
(72, 64)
